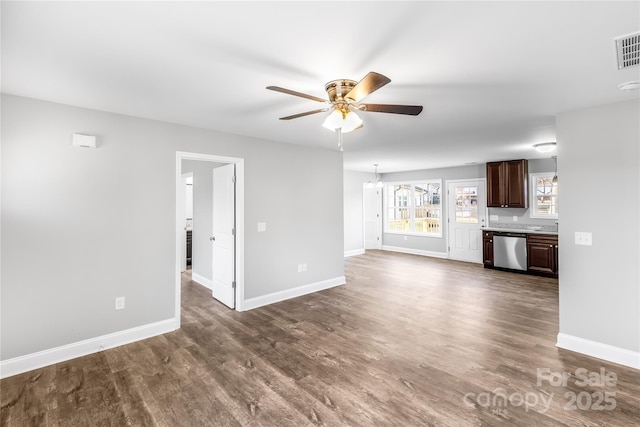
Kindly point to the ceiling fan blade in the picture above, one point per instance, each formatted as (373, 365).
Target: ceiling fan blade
(369, 84)
(411, 110)
(295, 116)
(293, 92)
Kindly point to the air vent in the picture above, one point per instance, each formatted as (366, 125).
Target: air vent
(628, 50)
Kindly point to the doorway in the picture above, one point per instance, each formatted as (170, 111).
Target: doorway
(186, 241)
(237, 255)
(372, 213)
(466, 215)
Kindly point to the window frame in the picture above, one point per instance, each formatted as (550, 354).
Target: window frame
(412, 208)
(533, 177)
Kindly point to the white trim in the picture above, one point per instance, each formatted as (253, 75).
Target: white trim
(385, 208)
(433, 254)
(32, 361)
(203, 281)
(239, 162)
(353, 252)
(293, 293)
(607, 352)
(533, 213)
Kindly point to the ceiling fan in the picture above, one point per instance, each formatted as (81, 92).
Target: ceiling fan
(344, 99)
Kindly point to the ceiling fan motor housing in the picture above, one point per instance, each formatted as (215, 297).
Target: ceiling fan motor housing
(337, 90)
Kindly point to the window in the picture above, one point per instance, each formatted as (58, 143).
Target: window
(467, 205)
(544, 196)
(414, 208)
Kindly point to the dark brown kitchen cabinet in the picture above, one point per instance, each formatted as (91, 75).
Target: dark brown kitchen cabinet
(542, 254)
(189, 246)
(487, 248)
(507, 184)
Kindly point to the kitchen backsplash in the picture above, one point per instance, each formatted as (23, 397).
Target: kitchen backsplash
(519, 219)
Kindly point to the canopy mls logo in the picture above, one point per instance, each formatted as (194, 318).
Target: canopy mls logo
(499, 400)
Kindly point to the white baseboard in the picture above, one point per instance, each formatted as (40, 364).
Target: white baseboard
(415, 251)
(353, 252)
(202, 281)
(256, 302)
(599, 350)
(32, 361)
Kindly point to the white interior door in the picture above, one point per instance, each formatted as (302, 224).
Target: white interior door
(372, 212)
(467, 210)
(223, 238)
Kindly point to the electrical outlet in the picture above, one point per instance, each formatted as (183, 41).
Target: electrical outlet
(515, 218)
(406, 237)
(304, 267)
(120, 303)
(584, 238)
(299, 268)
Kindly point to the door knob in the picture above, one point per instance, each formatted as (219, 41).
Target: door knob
(212, 238)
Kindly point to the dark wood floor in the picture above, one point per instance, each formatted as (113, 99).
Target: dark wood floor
(408, 341)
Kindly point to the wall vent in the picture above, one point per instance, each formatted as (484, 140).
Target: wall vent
(628, 50)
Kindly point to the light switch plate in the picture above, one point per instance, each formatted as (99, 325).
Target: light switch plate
(584, 238)
(262, 226)
(120, 303)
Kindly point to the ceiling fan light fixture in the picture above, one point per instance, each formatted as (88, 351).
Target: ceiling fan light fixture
(545, 147)
(351, 122)
(346, 122)
(333, 121)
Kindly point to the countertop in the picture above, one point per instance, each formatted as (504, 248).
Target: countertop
(525, 229)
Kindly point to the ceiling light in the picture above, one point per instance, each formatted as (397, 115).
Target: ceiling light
(346, 121)
(379, 183)
(545, 147)
(629, 86)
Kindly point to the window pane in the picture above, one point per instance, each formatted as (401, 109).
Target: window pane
(546, 196)
(413, 207)
(467, 205)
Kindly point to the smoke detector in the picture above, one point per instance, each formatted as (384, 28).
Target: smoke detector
(628, 50)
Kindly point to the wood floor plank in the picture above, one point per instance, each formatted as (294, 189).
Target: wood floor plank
(409, 341)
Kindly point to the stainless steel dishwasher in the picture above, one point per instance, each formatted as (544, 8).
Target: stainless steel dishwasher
(510, 250)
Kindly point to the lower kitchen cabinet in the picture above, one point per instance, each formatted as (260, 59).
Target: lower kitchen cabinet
(542, 254)
(487, 248)
(189, 245)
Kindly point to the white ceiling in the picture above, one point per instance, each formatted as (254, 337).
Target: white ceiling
(490, 75)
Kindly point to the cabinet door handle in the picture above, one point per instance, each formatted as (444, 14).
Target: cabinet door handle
(550, 246)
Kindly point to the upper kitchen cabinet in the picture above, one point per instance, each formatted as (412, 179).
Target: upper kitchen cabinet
(507, 184)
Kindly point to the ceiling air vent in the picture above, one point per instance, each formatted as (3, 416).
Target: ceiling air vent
(628, 50)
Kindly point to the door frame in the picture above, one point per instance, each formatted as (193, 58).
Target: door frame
(239, 219)
(449, 214)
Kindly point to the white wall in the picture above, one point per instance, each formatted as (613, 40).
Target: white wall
(599, 184)
(81, 227)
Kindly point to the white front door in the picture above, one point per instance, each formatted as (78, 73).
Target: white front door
(223, 236)
(372, 212)
(467, 207)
